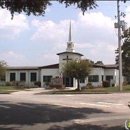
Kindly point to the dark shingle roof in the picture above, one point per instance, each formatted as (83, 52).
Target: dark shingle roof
(69, 53)
(56, 66)
(109, 66)
(53, 66)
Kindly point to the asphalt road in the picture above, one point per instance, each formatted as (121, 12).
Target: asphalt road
(29, 111)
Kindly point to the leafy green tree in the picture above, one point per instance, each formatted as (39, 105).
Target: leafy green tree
(3, 68)
(78, 69)
(126, 52)
(99, 63)
(117, 56)
(38, 7)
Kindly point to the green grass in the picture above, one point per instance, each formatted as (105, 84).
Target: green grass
(90, 91)
(7, 89)
(10, 89)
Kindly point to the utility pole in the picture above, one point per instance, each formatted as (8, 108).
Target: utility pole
(120, 25)
(119, 46)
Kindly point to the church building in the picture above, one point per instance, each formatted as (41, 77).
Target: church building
(29, 74)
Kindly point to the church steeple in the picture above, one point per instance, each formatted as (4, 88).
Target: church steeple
(70, 45)
(70, 33)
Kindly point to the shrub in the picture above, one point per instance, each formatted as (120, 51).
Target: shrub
(18, 87)
(38, 83)
(125, 83)
(89, 84)
(91, 87)
(8, 83)
(113, 85)
(57, 86)
(106, 83)
(84, 87)
(46, 83)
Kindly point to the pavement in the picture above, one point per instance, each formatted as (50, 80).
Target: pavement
(28, 110)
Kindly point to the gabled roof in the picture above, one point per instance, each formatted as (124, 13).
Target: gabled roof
(53, 66)
(66, 52)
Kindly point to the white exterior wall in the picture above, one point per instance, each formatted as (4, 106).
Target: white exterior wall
(33, 71)
(103, 72)
(84, 84)
(17, 73)
(63, 56)
(110, 72)
(114, 73)
(70, 56)
(75, 83)
(48, 72)
(99, 72)
(95, 71)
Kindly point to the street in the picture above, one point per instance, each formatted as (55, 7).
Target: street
(28, 110)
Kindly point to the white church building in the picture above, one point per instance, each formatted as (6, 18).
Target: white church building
(43, 74)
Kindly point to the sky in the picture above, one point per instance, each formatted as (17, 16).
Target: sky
(35, 41)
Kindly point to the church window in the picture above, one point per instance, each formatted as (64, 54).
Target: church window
(33, 77)
(2, 78)
(12, 76)
(47, 78)
(93, 78)
(109, 77)
(82, 80)
(22, 76)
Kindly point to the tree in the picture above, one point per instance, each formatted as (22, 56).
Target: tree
(99, 63)
(78, 69)
(3, 68)
(117, 56)
(38, 7)
(126, 52)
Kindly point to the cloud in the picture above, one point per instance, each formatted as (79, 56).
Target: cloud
(49, 32)
(48, 59)
(93, 34)
(12, 28)
(13, 58)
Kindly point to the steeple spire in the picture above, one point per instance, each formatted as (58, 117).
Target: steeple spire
(70, 32)
(70, 45)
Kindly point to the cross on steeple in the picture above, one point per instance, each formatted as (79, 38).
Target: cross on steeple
(67, 59)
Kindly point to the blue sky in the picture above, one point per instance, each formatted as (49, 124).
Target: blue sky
(35, 41)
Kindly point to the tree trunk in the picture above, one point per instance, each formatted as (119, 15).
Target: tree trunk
(79, 88)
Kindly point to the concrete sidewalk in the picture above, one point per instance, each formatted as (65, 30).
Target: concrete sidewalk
(30, 91)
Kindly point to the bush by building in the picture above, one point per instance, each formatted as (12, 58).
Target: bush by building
(106, 84)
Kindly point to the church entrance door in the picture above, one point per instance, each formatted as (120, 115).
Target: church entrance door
(68, 81)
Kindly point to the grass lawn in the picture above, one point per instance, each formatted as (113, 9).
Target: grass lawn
(7, 89)
(90, 91)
